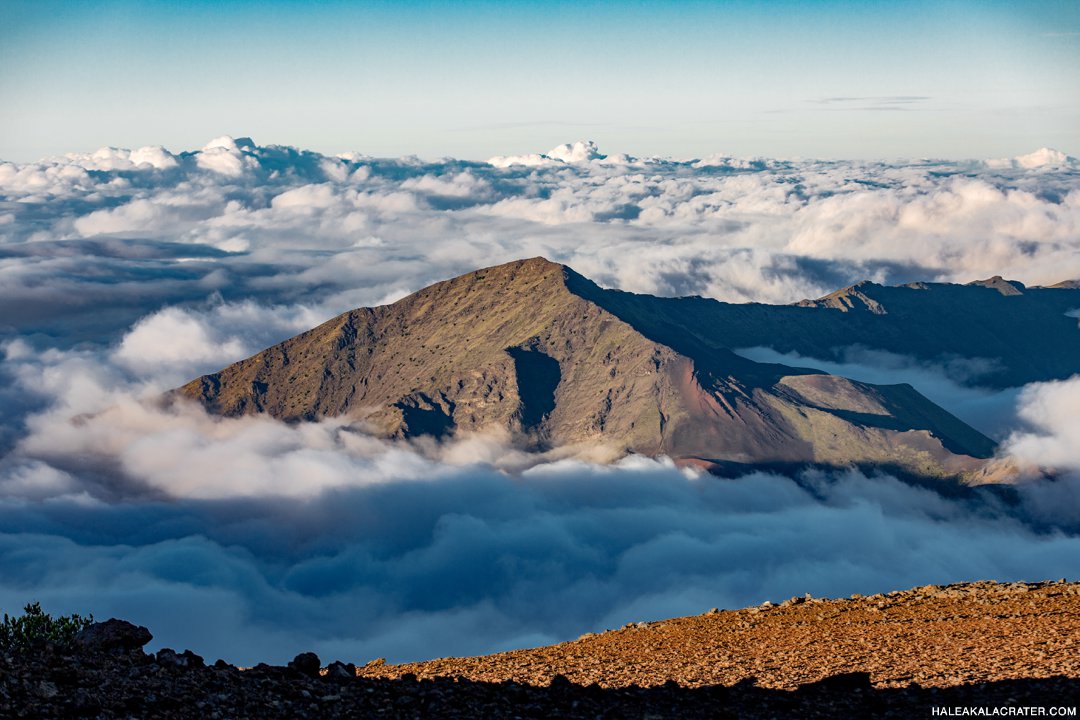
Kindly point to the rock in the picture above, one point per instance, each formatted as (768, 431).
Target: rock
(340, 671)
(113, 635)
(306, 663)
(167, 657)
(192, 659)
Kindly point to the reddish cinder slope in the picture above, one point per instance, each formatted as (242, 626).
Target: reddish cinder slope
(934, 636)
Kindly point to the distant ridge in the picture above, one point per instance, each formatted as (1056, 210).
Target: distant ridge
(535, 348)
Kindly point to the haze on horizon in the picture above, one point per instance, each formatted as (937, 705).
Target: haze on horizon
(829, 79)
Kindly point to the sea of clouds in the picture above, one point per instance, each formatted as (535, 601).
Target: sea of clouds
(125, 273)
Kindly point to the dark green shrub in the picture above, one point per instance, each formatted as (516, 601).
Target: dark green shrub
(35, 627)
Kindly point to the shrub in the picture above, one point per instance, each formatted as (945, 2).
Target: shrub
(36, 627)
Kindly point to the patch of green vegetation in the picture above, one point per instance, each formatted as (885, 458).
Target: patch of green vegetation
(36, 627)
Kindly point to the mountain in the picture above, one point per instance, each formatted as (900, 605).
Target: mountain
(535, 348)
(1013, 334)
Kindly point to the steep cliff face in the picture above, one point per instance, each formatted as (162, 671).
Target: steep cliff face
(536, 349)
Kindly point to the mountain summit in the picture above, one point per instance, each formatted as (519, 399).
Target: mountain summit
(536, 349)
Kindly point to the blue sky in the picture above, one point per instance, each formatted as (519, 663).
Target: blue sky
(474, 79)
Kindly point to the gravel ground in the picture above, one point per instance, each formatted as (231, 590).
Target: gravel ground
(934, 636)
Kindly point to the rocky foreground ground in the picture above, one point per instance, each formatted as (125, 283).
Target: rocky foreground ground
(980, 645)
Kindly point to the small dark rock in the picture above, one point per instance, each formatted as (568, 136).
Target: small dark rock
(113, 635)
(192, 659)
(306, 663)
(340, 671)
(167, 657)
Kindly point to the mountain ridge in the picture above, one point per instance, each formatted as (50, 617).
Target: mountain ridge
(1014, 334)
(536, 349)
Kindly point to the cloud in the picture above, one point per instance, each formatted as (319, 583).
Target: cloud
(133, 216)
(578, 152)
(350, 229)
(172, 336)
(124, 273)
(874, 102)
(1041, 158)
(1054, 436)
(468, 559)
(1050, 440)
(155, 156)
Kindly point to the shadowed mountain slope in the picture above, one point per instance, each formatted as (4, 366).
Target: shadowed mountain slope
(1020, 334)
(532, 347)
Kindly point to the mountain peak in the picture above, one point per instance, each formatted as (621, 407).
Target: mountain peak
(854, 297)
(497, 284)
(1066, 285)
(1003, 286)
(526, 267)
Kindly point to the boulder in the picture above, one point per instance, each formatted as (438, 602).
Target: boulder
(167, 657)
(306, 663)
(113, 634)
(340, 671)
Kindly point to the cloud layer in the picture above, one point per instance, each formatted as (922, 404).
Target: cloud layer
(254, 540)
(124, 273)
(90, 237)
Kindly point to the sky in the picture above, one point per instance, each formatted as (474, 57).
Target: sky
(828, 79)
